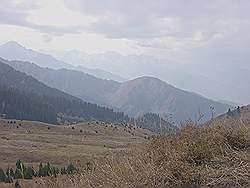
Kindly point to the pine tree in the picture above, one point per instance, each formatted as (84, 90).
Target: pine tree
(20, 167)
(18, 174)
(2, 175)
(63, 171)
(8, 179)
(71, 169)
(29, 173)
(40, 170)
(47, 169)
(12, 172)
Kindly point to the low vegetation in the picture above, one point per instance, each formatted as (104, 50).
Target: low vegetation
(214, 155)
(26, 172)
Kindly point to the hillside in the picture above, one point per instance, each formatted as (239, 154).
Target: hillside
(108, 155)
(82, 85)
(35, 142)
(241, 114)
(19, 105)
(147, 94)
(59, 101)
(214, 80)
(134, 97)
(154, 122)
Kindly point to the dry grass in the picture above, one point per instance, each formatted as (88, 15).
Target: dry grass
(35, 142)
(215, 155)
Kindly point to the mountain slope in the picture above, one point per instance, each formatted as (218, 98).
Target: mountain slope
(19, 105)
(227, 80)
(61, 102)
(14, 51)
(241, 114)
(84, 86)
(134, 97)
(147, 94)
(99, 73)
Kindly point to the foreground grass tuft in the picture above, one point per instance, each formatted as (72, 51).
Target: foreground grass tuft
(215, 155)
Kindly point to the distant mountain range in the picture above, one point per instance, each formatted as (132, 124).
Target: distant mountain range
(134, 97)
(217, 79)
(14, 51)
(24, 97)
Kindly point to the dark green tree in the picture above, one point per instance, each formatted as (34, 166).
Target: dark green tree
(12, 172)
(71, 169)
(29, 173)
(41, 172)
(18, 174)
(63, 171)
(2, 175)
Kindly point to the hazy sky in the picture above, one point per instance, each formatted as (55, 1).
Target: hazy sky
(182, 30)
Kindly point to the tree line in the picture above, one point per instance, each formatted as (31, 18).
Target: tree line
(25, 172)
(16, 104)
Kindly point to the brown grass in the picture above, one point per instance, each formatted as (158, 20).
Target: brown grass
(216, 155)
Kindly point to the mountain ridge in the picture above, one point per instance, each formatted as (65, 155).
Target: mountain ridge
(134, 97)
(15, 51)
(163, 98)
(61, 102)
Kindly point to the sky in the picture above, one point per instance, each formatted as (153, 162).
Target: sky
(179, 30)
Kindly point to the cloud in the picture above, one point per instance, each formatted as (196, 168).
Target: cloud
(144, 25)
(135, 20)
(47, 38)
(165, 23)
(147, 18)
(16, 12)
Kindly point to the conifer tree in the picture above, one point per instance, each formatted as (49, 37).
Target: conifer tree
(2, 175)
(20, 167)
(40, 170)
(29, 173)
(12, 172)
(71, 169)
(18, 174)
(63, 171)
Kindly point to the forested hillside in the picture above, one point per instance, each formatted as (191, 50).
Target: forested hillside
(15, 104)
(134, 97)
(155, 123)
(28, 89)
